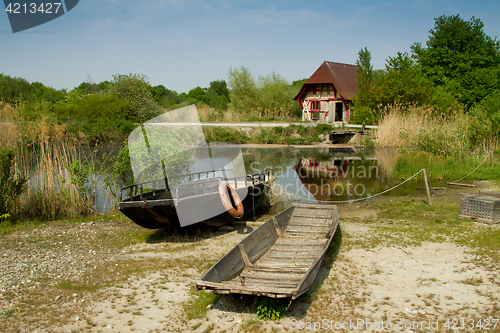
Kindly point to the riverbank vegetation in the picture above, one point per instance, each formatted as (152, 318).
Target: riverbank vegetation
(439, 106)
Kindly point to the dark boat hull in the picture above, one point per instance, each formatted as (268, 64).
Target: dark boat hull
(159, 210)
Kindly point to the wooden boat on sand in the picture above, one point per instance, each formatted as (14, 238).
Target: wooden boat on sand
(280, 259)
(157, 208)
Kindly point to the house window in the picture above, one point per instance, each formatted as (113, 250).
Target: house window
(315, 106)
(315, 110)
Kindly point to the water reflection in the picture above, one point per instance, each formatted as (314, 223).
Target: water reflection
(302, 174)
(323, 174)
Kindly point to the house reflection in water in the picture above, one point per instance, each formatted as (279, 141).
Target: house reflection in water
(340, 178)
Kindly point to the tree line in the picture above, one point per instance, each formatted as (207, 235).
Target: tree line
(106, 112)
(459, 67)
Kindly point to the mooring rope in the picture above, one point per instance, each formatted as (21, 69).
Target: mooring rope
(487, 155)
(470, 173)
(353, 200)
(383, 192)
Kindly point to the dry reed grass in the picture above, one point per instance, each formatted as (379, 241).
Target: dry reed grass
(419, 127)
(44, 152)
(9, 130)
(386, 159)
(50, 194)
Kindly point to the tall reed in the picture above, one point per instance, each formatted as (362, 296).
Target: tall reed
(419, 127)
(45, 152)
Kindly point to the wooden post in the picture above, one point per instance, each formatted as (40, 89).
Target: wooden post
(491, 158)
(427, 187)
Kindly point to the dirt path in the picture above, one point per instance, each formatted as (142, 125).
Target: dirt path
(57, 279)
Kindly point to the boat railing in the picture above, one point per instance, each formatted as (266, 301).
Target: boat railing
(150, 188)
(159, 185)
(233, 181)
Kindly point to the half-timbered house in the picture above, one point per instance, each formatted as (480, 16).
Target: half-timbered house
(327, 95)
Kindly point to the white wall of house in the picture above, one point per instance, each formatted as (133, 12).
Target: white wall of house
(324, 105)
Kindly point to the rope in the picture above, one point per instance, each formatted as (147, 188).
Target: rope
(383, 192)
(354, 200)
(489, 153)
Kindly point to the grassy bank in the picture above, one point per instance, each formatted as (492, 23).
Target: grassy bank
(294, 134)
(448, 147)
(447, 168)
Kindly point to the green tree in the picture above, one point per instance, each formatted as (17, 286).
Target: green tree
(217, 95)
(14, 90)
(364, 111)
(364, 74)
(243, 89)
(198, 94)
(276, 94)
(167, 97)
(485, 119)
(48, 94)
(460, 56)
(135, 89)
(402, 83)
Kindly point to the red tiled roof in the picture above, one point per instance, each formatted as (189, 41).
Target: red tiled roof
(342, 76)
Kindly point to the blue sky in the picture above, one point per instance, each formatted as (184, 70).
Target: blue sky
(187, 43)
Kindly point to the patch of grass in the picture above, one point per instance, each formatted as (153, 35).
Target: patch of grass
(200, 300)
(251, 325)
(473, 281)
(407, 222)
(75, 287)
(442, 167)
(9, 313)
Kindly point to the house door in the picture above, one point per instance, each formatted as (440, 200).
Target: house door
(339, 111)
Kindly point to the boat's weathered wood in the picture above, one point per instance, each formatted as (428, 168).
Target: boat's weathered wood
(299, 242)
(277, 269)
(312, 216)
(279, 259)
(234, 286)
(284, 249)
(272, 276)
(305, 224)
(291, 256)
(276, 226)
(308, 206)
(244, 255)
(306, 231)
(282, 265)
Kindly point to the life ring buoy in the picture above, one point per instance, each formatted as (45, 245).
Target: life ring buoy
(235, 212)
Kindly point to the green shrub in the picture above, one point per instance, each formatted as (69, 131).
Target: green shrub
(11, 186)
(271, 308)
(364, 115)
(219, 134)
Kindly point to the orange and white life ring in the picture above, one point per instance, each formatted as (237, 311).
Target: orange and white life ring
(237, 211)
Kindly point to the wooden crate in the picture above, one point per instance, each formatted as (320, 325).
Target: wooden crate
(481, 207)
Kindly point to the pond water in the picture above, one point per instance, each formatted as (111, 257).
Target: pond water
(303, 174)
(324, 174)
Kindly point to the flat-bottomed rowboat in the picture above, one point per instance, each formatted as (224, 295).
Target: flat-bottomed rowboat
(281, 258)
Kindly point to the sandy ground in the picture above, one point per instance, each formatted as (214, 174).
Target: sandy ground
(417, 288)
(434, 287)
